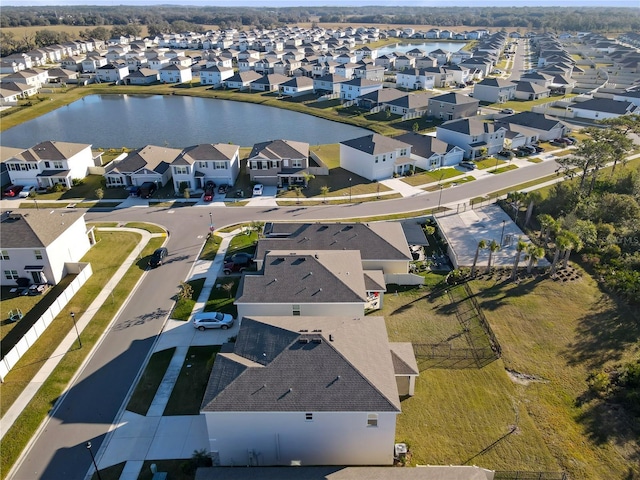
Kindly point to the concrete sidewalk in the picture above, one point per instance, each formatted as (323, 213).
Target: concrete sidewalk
(135, 438)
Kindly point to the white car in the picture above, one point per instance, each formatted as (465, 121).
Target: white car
(257, 190)
(205, 320)
(24, 193)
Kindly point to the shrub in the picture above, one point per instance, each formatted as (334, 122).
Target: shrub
(77, 182)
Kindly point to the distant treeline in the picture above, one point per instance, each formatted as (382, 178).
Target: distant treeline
(107, 21)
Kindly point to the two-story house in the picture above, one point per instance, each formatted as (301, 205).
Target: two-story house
(474, 136)
(545, 127)
(328, 84)
(279, 162)
(451, 106)
(112, 73)
(173, 73)
(307, 391)
(50, 163)
(494, 90)
(196, 165)
(415, 79)
(374, 157)
(430, 153)
(40, 244)
(352, 89)
(215, 75)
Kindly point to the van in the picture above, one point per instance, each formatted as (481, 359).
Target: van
(147, 189)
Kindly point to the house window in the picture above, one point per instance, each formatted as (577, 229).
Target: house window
(58, 165)
(308, 417)
(221, 165)
(372, 420)
(11, 274)
(38, 254)
(47, 165)
(180, 170)
(265, 165)
(296, 310)
(202, 164)
(384, 158)
(296, 163)
(4, 255)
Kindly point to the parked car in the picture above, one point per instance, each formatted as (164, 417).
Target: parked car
(223, 189)
(257, 189)
(208, 191)
(240, 258)
(468, 164)
(505, 154)
(147, 189)
(521, 153)
(573, 139)
(569, 140)
(26, 191)
(234, 267)
(508, 111)
(158, 257)
(13, 191)
(205, 320)
(529, 149)
(538, 148)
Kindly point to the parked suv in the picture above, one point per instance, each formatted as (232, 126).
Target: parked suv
(237, 263)
(147, 189)
(158, 257)
(468, 164)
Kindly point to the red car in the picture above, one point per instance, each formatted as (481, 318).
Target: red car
(13, 190)
(209, 189)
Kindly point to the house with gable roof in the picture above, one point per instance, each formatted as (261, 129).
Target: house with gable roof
(357, 87)
(472, 135)
(451, 106)
(494, 90)
(430, 152)
(196, 165)
(375, 157)
(279, 162)
(35, 244)
(307, 391)
(49, 163)
(545, 127)
(148, 164)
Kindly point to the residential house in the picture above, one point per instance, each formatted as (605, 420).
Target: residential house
(530, 91)
(144, 76)
(269, 82)
(6, 153)
(173, 73)
(483, 64)
(92, 62)
(41, 245)
(112, 72)
(352, 89)
(375, 157)
(404, 62)
(60, 75)
(388, 62)
(441, 78)
(451, 106)
(414, 79)
(459, 73)
(441, 55)
(199, 164)
(148, 164)
(547, 128)
(370, 72)
(215, 75)
(383, 245)
(346, 70)
(632, 96)
(430, 153)
(307, 391)
(379, 98)
(297, 86)
(73, 63)
(279, 162)
(412, 105)
(600, 108)
(50, 163)
(426, 62)
(494, 90)
(287, 66)
(473, 135)
(33, 77)
(11, 92)
(329, 84)
(242, 80)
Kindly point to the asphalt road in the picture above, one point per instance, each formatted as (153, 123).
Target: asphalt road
(518, 67)
(93, 401)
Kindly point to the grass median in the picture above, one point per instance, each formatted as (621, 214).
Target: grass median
(106, 257)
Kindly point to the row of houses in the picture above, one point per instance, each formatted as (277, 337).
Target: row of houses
(311, 380)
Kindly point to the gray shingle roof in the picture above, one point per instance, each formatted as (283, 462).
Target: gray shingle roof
(30, 228)
(470, 126)
(305, 364)
(375, 241)
(375, 144)
(51, 150)
(539, 121)
(206, 151)
(278, 149)
(424, 146)
(150, 157)
(330, 276)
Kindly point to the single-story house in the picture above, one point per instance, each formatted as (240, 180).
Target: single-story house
(148, 164)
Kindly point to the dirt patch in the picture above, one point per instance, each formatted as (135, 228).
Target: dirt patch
(523, 378)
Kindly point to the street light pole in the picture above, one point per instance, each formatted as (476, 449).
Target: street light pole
(440, 197)
(211, 227)
(93, 459)
(502, 234)
(73, 317)
(349, 189)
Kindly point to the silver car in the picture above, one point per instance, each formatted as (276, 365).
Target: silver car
(205, 320)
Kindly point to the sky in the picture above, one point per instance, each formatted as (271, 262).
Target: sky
(356, 3)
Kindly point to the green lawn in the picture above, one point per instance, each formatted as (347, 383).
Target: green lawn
(149, 382)
(423, 178)
(488, 163)
(506, 168)
(188, 391)
(183, 307)
(221, 299)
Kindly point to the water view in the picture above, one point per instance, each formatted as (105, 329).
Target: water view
(113, 121)
(427, 46)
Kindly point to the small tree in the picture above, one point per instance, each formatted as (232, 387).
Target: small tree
(415, 127)
(228, 287)
(187, 193)
(307, 176)
(324, 190)
(298, 191)
(99, 193)
(185, 291)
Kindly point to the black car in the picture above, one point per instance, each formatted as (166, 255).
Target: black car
(240, 258)
(506, 154)
(158, 257)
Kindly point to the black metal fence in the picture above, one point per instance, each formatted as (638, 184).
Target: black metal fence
(495, 345)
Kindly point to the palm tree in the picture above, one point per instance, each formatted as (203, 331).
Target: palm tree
(324, 190)
(534, 253)
(562, 243)
(516, 199)
(493, 247)
(520, 246)
(298, 192)
(534, 197)
(307, 176)
(574, 243)
(481, 246)
(545, 221)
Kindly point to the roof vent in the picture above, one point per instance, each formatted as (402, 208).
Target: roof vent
(303, 331)
(318, 330)
(317, 340)
(303, 340)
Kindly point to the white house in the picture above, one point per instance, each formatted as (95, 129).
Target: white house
(472, 135)
(415, 79)
(278, 162)
(328, 83)
(215, 75)
(429, 153)
(545, 127)
(112, 72)
(494, 90)
(599, 108)
(307, 391)
(50, 163)
(357, 87)
(242, 80)
(39, 244)
(196, 165)
(297, 86)
(175, 74)
(374, 157)
(33, 77)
